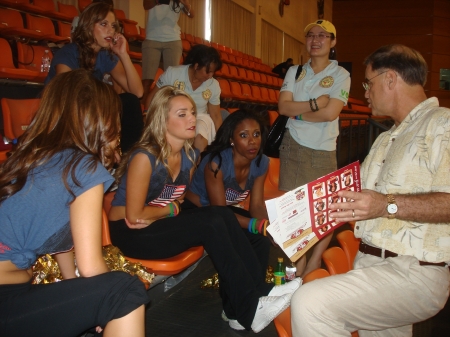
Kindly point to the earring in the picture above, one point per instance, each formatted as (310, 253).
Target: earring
(232, 144)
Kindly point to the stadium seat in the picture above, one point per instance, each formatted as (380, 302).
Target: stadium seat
(46, 27)
(349, 244)
(64, 29)
(69, 10)
(169, 266)
(7, 67)
(49, 9)
(82, 4)
(120, 16)
(131, 33)
(335, 260)
(30, 58)
(12, 25)
(17, 115)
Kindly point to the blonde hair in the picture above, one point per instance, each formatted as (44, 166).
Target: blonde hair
(153, 138)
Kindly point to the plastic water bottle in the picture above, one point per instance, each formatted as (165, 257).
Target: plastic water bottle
(290, 272)
(279, 275)
(45, 65)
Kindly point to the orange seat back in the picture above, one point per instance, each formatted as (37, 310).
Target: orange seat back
(10, 18)
(335, 260)
(46, 5)
(82, 4)
(315, 274)
(273, 115)
(6, 60)
(17, 115)
(69, 10)
(64, 29)
(283, 323)
(37, 23)
(349, 244)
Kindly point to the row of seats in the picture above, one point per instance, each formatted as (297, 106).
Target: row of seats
(247, 93)
(36, 28)
(29, 58)
(247, 75)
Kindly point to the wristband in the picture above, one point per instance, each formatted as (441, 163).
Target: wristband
(260, 225)
(171, 211)
(254, 229)
(250, 225)
(311, 105)
(176, 205)
(265, 227)
(298, 118)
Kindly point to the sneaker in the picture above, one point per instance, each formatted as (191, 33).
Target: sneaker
(233, 323)
(287, 288)
(268, 308)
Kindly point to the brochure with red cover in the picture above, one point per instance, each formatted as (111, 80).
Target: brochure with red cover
(300, 218)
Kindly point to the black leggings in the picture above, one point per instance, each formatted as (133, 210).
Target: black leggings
(218, 231)
(68, 308)
(132, 122)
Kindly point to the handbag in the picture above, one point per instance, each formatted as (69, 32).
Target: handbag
(276, 133)
(277, 130)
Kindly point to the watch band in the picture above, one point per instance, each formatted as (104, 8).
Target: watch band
(391, 200)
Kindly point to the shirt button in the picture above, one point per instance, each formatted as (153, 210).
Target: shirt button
(357, 227)
(393, 139)
(376, 184)
(383, 161)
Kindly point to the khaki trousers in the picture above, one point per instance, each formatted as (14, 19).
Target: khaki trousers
(380, 297)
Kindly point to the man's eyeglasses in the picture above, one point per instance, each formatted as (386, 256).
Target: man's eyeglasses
(367, 84)
(319, 37)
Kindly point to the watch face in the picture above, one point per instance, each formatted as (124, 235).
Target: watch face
(392, 208)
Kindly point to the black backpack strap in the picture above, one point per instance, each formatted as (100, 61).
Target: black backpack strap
(299, 70)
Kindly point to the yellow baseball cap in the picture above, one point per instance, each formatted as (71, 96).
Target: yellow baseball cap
(324, 24)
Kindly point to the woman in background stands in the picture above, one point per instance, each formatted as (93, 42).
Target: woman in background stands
(162, 37)
(313, 100)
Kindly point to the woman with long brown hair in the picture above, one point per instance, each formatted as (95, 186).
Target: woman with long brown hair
(97, 46)
(51, 194)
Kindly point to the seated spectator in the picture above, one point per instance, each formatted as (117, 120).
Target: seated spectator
(401, 273)
(233, 169)
(195, 77)
(283, 67)
(99, 48)
(146, 221)
(51, 194)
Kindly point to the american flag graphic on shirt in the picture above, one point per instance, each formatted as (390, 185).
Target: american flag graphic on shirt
(168, 194)
(234, 197)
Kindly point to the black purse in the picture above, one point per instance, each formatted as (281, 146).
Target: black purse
(276, 133)
(277, 130)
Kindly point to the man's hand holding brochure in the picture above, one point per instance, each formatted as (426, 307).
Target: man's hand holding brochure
(300, 218)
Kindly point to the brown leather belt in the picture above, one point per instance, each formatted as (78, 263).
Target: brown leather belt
(366, 249)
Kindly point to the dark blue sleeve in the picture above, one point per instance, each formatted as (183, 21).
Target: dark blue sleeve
(67, 55)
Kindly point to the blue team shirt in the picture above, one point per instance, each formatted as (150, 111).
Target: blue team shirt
(35, 220)
(68, 55)
(234, 194)
(162, 190)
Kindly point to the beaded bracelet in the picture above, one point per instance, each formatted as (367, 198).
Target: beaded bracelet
(315, 103)
(311, 105)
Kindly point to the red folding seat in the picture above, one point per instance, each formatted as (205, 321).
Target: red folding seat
(64, 30)
(46, 27)
(234, 73)
(246, 91)
(186, 45)
(82, 4)
(69, 10)
(265, 95)
(257, 77)
(239, 61)
(49, 9)
(225, 93)
(207, 43)
(198, 40)
(263, 78)
(221, 47)
(7, 68)
(269, 80)
(232, 59)
(256, 94)
(236, 91)
(224, 57)
(215, 45)
(250, 76)
(273, 96)
(224, 72)
(190, 38)
(242, 74)
(120, 16)
(12, 25)
(30, 57)
(245, 62)
(131, 33)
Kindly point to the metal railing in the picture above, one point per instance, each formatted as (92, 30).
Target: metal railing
(356, 136)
